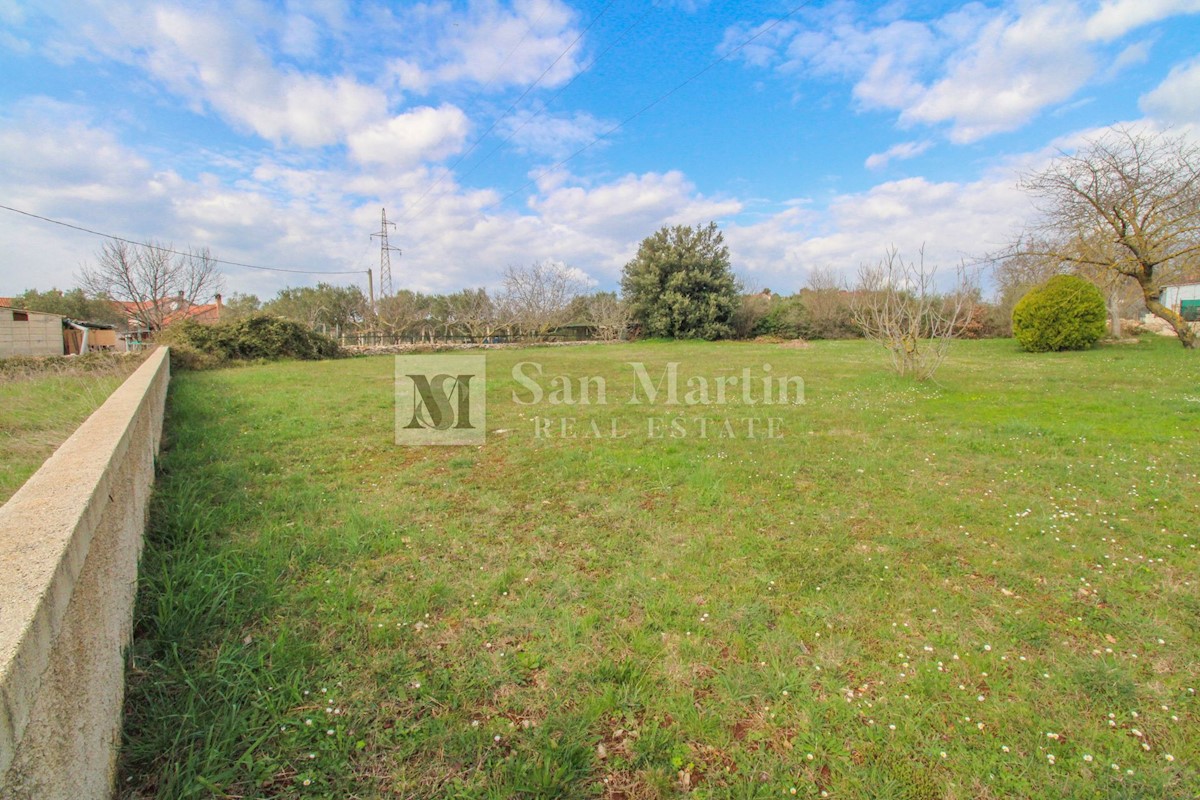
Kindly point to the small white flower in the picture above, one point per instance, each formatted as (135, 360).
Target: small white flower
(1004, 748)
(1169, 757)
(1087, 758)
(1050, 757)
(943, 754)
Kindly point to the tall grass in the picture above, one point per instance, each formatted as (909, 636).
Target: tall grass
(43, 401)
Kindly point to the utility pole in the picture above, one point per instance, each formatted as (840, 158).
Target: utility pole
(385, 255)
(371, 288)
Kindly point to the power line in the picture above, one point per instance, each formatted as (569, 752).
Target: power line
(409, 210)
(177, 252)
(528, 30)
(694, 76)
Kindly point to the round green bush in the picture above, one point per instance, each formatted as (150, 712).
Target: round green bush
(1064, 313)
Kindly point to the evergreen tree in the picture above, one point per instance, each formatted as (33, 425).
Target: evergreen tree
(680, 284)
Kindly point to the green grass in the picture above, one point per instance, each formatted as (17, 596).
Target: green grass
(42, 402)
(902, 598)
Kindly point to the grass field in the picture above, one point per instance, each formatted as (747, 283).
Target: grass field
(43, 405)
(983, 587)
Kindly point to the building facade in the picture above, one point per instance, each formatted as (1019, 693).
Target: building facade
(30, 333)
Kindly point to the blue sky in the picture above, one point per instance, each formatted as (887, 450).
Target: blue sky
(273, 132)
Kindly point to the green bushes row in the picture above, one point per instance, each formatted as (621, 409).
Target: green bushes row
(260, 337)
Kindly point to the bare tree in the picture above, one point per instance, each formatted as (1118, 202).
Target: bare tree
(536, 298)
(1127, 202)
(896, 304)
(472, 312)
(152, 278)
(826, 305)
(610, 315)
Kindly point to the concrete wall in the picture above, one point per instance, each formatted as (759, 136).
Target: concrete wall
(69, 545)
(36, 335)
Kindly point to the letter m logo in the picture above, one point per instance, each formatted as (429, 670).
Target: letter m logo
(441, 400)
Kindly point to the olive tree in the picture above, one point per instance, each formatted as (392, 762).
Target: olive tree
(680, 284)
(1127, 203)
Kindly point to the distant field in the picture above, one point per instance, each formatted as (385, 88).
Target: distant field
(983, 587)
(41, 406)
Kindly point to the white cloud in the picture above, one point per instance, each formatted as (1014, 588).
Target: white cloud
(1115, 18)
(281, 215)
(1017, 66)
(980, 70)
(212, 62)
(421, 134)
(502, 46)
(553, 135)
(45, 143)
(1177, 99)
(632, 203)
(952, 221)
(901, 151)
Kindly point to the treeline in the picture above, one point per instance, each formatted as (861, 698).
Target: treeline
(539, 301)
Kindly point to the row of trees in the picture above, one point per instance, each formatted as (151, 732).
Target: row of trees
(679, 285)
(537, 301)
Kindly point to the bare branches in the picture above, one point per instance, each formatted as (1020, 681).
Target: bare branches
(896, 304)
(1127, 202)
(151, 279)
(610, 315)
(536, 298)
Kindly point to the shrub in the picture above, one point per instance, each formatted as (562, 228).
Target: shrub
(1064, 313)
(750, 314)
(785, 318)
(253, 338)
